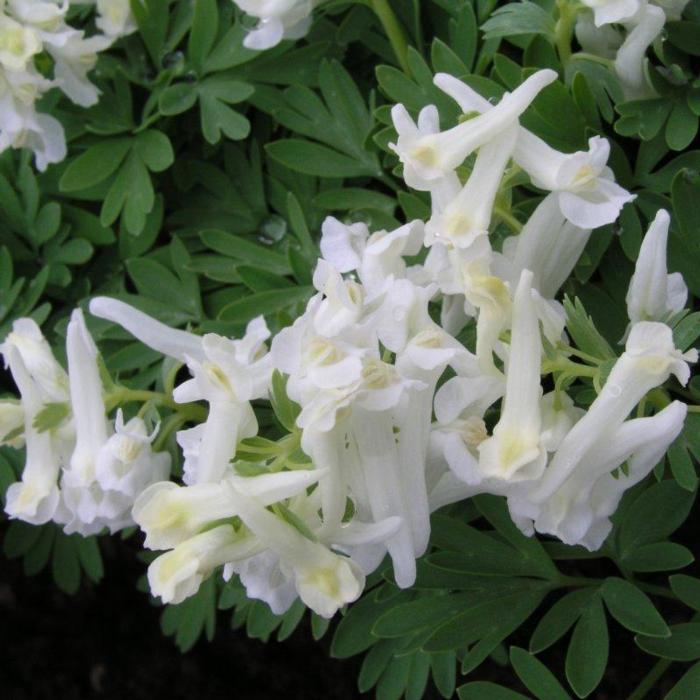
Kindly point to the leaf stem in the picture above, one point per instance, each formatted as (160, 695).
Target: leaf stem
(649, 681)
(393, 30)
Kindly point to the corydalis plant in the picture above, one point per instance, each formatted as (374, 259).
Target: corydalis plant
(363, 464)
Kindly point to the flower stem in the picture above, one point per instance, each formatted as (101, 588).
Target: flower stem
(393, 30)
(508, 219)
(564, 29)
(124, 395)
(649, 681)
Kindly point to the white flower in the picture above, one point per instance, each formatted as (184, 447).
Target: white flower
(600, 41)
(586, 191)
(460, 404)
(430, 157)
(162, 338)
(46, 15)
(126, 463)
(515, 452)
(378, 258)
(22, 127)
(263, 578)
(74, 57)
(18, 44)
(51, 379)
(114, 17)
(33, 499)
(578, 511)
(672, 8)
(324, 581)
(612, 11)
(558, 417)
(178, 574)
(278, 20)
(343, 301)
(630, 61)
(649, 359)
(468, 215)
(548, 245)
(228, 374)
(87, 404)
(169, 514)
(653, 294)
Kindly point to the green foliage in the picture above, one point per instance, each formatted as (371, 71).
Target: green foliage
(70, 556)
(195, 190)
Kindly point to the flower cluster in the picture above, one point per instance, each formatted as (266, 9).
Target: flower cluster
(81, 470)
(394, 417)
(33, 35)
(622, 31)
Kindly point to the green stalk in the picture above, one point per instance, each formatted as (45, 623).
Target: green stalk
(393, 30)
(564, 29)
(650, 680)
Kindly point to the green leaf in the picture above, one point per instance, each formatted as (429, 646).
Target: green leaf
(682, 645)
(177, 98)
(205, 24)
(682, 126)
(519, 18)
(352, 198)
(20, 538)
(374, 664)
(494, 509)
(484, 690)
(417, 615)
(90, 558)
(51, 416)
(95, 165)
(681, 464)
(263, 304)
(632, 608)
(583, 331)
(236, 247)
(443, 667)
(658, 556)
(557, 621)
(314, 159)
(65, 566)
(688, 686)
(483, 616)
(354, 633)
(195, 616)
(536, 677)
(154, 149)
(685, 191)
(285, 409)
(217, 118)
(131, 191)
(687, 589)
(687, 331)
(154, 280)
(587, 655)
(654, 515)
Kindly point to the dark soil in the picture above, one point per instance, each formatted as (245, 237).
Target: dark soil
(105, 643)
